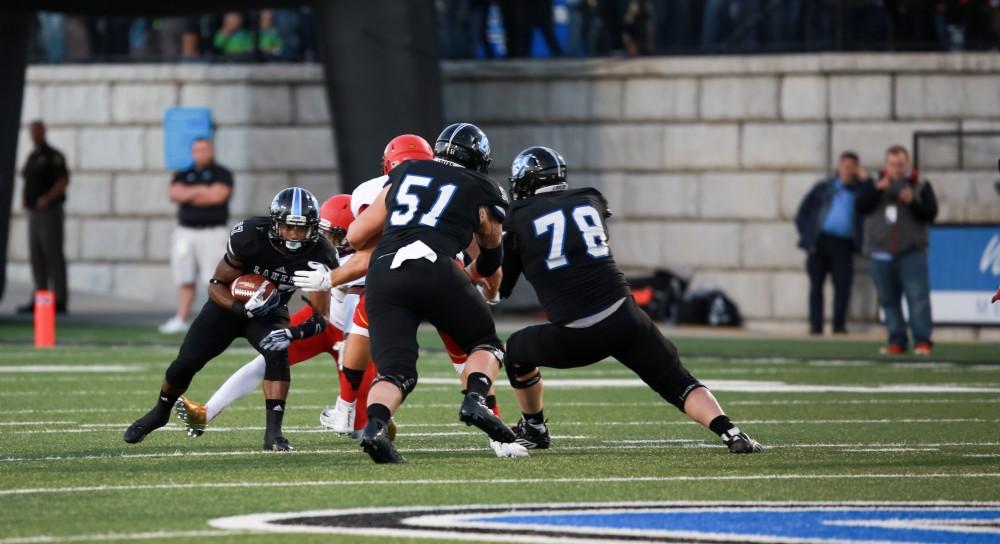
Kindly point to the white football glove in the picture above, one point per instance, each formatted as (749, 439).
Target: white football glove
(278, 340)
(317, 279)
(259, 305)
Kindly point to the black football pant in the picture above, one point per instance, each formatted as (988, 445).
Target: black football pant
(212, 332)
(398, 300)
(628, 335)
(833, 256)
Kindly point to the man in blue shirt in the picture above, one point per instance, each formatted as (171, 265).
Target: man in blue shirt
(830, 232)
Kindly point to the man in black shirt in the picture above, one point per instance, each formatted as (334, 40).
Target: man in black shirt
(557, 237)
(202, 193)
(275, 247)
(428, 212)
(45, 181)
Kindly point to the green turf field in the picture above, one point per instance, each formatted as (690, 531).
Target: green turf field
(868, 429)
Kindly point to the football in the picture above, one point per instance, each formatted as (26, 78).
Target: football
(246, 285)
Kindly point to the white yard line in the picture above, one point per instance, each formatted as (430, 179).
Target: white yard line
(761, 386)
(584, 404)
(887, 450)
(604, 446)
(32, 369)
(115, 537)
(494, 481)
(32, 423)
(105, 427)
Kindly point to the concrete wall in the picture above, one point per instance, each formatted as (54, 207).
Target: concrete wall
(273, 130)
(704, 159)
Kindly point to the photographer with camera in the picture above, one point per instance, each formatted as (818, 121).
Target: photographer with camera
(898, 209)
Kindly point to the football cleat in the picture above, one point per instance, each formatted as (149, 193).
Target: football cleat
(146, 424)
(340, 418)
(475, 412)
(532, 436)
(377, 444)
(277, 443)
(740, 442)
(508, 451)
(193, 416)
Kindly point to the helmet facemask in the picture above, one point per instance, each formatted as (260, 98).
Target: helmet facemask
(294, 207)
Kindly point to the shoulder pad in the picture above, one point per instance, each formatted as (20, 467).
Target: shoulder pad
(365, 194)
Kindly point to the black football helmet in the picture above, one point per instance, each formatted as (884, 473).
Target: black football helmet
(537, 167)
(464, 144)
(298, 207)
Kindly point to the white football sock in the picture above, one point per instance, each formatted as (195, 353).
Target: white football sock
(239, 385)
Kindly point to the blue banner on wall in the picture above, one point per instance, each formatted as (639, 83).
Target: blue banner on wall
(964, 265)
(180, 127)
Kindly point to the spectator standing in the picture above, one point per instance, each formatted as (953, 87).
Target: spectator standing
(830, 233)
(232, 38)
(270, 42)
(898, 209)
(538, 14)
(45, 181)
(202, 193)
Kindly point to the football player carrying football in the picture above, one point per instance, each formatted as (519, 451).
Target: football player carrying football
(275, 247)
(335, 217)
(557, 237)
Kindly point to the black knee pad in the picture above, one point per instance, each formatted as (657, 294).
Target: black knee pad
(276, 369)
(515, 371)
(405, 383)
(180, 373)
(495, 348)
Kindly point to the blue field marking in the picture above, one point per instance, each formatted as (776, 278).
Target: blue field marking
(849, 524)
(662, 521)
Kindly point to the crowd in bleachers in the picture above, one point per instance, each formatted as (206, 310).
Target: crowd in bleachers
(548, 28)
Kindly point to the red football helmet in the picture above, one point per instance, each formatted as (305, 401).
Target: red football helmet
(334, 218)
(406, 147)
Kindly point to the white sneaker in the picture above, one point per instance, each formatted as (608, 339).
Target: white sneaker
(508, 451)
(174, 325)
(340, 418)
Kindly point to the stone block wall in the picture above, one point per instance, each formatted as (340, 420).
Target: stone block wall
(273, 130)
(703, 159)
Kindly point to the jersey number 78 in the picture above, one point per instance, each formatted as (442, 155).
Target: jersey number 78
(587, 220)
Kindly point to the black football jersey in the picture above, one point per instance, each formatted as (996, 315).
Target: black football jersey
(437, 204)
(559, 241)
(250, 244)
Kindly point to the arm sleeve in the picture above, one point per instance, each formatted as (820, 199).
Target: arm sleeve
(511, 265)
(925, 206)
(495, 199)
